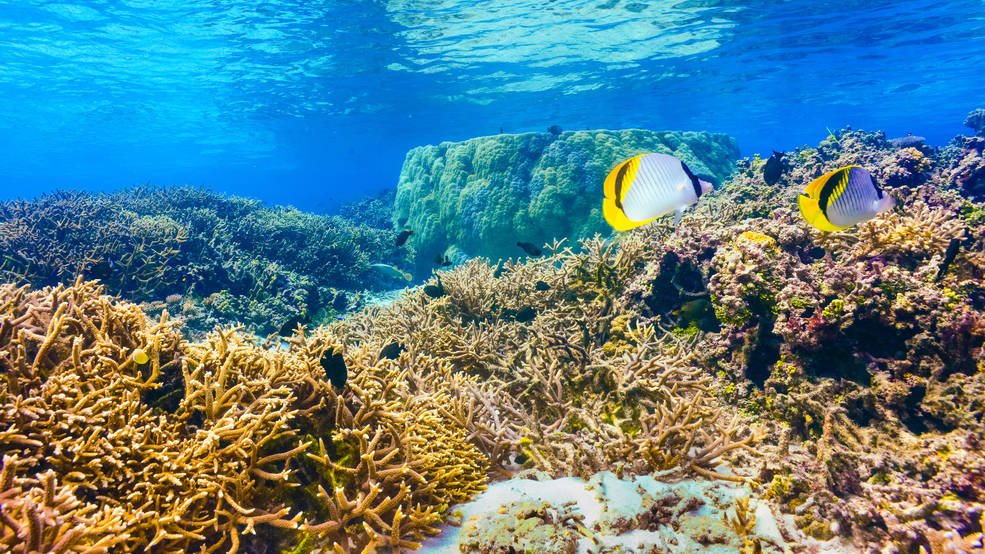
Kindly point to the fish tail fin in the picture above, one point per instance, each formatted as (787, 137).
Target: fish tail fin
(811, 211)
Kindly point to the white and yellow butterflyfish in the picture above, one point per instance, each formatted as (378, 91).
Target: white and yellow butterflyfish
(648, 186)
(843, 198)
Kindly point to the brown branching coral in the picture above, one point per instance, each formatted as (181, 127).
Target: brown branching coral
(178, 446)
(39, 515)
(550, 387)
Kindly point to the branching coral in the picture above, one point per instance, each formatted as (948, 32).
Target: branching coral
(169, 445)
(548, 387)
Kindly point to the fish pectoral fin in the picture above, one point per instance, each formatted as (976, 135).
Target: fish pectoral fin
(678, 215)
(811, 211)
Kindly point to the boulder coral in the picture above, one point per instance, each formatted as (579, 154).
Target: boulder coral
(485, 194)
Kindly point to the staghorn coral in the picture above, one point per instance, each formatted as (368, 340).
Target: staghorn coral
(162, 444)
(65, 234)
(550, 389)
(39, 515)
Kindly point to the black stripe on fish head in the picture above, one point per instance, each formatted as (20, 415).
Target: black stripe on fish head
(694, 179)
(620, 176)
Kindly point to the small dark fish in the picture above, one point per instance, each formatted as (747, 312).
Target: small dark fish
(952, 251)
(773, 168)
(554, 130)
(529, 248)
(403, 236)
(288, 327)
(443, 261)
(541, 285)
(435, 291)
(499, 270)
(525, 315)
(392, 351)
(334, 365)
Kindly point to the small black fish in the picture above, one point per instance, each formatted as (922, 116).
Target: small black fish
(334, 365)
(526, 314)
(392, 351)
(541, 285)
(403, 236)
(443, 261)
(773, 168)
(554, 130)
(435, 291)
(952, 251)
(288, 327)
(529, 248)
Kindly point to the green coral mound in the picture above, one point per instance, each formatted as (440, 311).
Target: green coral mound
(485, 194)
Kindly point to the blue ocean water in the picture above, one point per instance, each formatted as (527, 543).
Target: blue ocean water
(316, 102)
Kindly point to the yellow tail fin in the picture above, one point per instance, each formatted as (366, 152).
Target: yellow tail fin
(811, 211)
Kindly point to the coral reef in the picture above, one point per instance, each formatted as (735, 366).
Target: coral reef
(859, 355)
(224, 256)
(142, 440)
(485, 194)
(551, 385)
(834, 377)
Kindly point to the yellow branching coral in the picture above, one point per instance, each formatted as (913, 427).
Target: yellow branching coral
(196, 446)
(39, 515)
(553, 388)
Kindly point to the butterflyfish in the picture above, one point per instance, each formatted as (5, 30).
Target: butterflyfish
(648, 186)
(843, 198)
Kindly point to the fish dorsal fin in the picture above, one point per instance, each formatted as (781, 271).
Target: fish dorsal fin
(814, 188)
